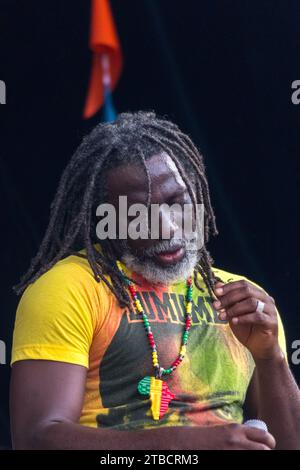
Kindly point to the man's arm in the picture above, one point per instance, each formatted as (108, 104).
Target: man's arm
(273, 390)
(46, 402)
(273, 396)
(279, 401)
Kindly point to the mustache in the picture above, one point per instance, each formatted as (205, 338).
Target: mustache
(165, 246)
(147, 267)
(162, 246)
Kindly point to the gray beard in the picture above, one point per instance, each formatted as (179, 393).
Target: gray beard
(156, 274)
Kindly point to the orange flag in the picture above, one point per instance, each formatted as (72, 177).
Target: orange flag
(104, 43)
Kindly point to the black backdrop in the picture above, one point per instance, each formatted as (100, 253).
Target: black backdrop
(221, 69)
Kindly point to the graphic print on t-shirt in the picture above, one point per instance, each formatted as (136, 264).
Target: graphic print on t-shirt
(210, 382)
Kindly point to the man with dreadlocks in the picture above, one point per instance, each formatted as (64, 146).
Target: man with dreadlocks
(140, 343)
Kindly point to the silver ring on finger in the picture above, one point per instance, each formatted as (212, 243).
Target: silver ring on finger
(260, 306)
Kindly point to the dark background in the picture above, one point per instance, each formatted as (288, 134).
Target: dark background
(221, 69)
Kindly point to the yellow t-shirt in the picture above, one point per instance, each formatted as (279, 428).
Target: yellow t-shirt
(67, 316)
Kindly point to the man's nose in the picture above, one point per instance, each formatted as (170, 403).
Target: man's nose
(169, 223)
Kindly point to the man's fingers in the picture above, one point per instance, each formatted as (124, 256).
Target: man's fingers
(245, 307)
(258, 435)
(239, 293)
(251, 319)
(252, 445)
(222, 289)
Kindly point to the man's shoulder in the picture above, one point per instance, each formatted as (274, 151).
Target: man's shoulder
(68, 269)
(69, 289)
(69, 275)
(73, 265)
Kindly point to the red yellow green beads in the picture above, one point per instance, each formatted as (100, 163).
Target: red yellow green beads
(188, 311)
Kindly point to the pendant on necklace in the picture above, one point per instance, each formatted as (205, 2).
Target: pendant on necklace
(159, 394)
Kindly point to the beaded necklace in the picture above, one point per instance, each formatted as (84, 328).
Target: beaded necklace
(156, 389)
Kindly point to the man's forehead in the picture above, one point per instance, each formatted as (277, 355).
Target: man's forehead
(132, 176)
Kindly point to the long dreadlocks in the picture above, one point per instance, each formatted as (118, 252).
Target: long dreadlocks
(132, 137)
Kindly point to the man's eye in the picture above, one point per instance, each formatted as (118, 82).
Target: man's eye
(177, 198)
(180, 199)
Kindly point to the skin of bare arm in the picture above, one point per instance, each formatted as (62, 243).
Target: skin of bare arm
(274, 394)
(46, 401)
